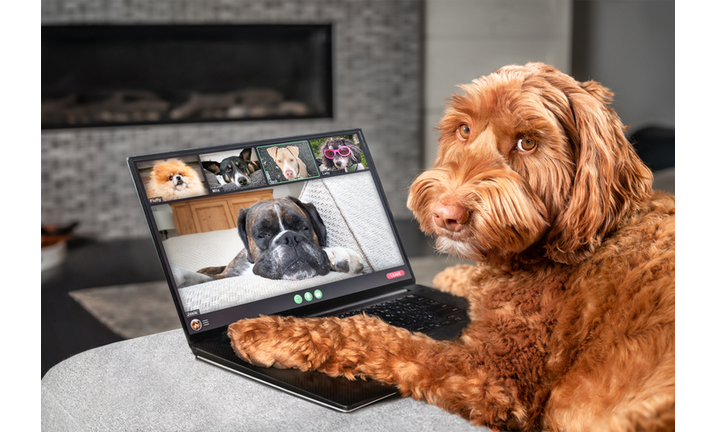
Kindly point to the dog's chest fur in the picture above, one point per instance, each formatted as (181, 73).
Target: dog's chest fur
(514, 312)
(542, 325)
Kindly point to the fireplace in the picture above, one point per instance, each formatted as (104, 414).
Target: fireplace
(118, 75)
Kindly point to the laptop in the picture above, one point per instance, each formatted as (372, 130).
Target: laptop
(203, 207)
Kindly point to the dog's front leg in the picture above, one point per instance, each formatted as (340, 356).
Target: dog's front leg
(447, 374)
(348, 347)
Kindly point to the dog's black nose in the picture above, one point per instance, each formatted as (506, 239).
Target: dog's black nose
(243, 181)
(179, 179)
(290, 239)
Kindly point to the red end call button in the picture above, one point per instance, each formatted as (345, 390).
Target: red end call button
(395, 274)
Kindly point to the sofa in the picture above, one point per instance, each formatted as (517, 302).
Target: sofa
(154, 383)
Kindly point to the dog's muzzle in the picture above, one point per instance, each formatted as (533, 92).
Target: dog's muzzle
(450, 216)
(292, 256)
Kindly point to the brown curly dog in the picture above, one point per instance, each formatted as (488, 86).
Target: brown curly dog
(572, 297)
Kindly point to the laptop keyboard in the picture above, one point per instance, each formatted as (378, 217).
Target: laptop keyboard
(414, 313)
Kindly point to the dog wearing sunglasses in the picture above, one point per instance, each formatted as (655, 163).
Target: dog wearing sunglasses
(341, 154)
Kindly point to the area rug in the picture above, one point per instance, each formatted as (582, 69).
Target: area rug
(146, 308)
(131, 310)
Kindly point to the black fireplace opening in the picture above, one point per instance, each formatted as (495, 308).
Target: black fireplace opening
(112, 75)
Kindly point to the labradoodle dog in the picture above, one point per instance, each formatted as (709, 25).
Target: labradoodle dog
(572, 295)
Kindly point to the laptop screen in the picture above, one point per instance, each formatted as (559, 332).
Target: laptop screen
(264, 227)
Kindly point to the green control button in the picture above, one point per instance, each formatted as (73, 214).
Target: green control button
(298, 299)
(318, 294)
(308, 296)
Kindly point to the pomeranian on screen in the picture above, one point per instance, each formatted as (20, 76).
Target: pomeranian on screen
(173, 179)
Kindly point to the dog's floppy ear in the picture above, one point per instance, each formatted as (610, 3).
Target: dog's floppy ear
(318, 226)
(355, 152)
(241, 225)
(322, 150)
(272, 151)
(610, 180)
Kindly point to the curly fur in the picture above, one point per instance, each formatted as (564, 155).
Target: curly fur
(572, 295)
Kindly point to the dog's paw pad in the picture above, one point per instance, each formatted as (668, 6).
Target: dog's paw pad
(344, 260)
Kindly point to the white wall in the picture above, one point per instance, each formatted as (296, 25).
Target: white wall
(629, 46)
(466, 39)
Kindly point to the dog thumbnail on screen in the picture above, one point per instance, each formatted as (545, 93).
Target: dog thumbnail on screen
(230, 171)
(339, 154)
(288, 162)
(294, 236)
(173, 179)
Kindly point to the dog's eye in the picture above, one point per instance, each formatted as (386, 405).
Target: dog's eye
(463, 131)
(526, 144)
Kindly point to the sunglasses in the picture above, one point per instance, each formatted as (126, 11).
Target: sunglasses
(342, 150)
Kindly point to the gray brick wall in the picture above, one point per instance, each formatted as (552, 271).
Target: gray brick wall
(378, 87)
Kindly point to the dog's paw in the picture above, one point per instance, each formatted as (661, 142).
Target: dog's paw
(184, 278)
(344, 260)
(280, 342)
(258, 340)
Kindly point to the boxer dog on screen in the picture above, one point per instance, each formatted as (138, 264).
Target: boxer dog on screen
(285, 239)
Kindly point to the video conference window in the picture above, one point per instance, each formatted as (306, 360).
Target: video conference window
(172, 179)
(276, 240)
(250, 168)
(288, 162)
(230, 171)
(339, 154)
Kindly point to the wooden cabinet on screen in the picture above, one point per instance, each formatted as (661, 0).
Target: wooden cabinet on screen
(214, 212)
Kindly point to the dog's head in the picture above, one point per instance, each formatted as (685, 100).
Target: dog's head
(237, 169)
(174, 174)
(287, 160)
(284, 239)
(339, 153)
(530, 162)
(233, 169)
